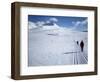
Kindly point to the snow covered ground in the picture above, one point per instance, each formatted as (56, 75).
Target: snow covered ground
(56, 46)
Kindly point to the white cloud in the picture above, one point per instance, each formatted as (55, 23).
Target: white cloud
(77, 23)
(48, 21)
(84, 22)
(31, 25)
(40, 23)
(53, 19)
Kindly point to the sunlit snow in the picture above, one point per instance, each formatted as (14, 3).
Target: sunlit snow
(55, 45)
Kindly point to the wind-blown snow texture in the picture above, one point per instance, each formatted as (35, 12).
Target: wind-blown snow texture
(53, 45)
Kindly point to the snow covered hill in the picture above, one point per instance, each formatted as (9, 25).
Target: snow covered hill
(55, 45)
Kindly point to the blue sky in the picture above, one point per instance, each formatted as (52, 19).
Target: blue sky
(63, 21)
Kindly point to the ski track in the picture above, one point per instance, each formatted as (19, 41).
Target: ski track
(45, 48)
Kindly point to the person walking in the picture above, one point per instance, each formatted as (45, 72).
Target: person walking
(82, 45)
(77, 42)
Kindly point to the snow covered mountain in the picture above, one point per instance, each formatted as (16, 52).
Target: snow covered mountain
(49, 28)
(81, 28)
(50, 44)
(53, 26)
